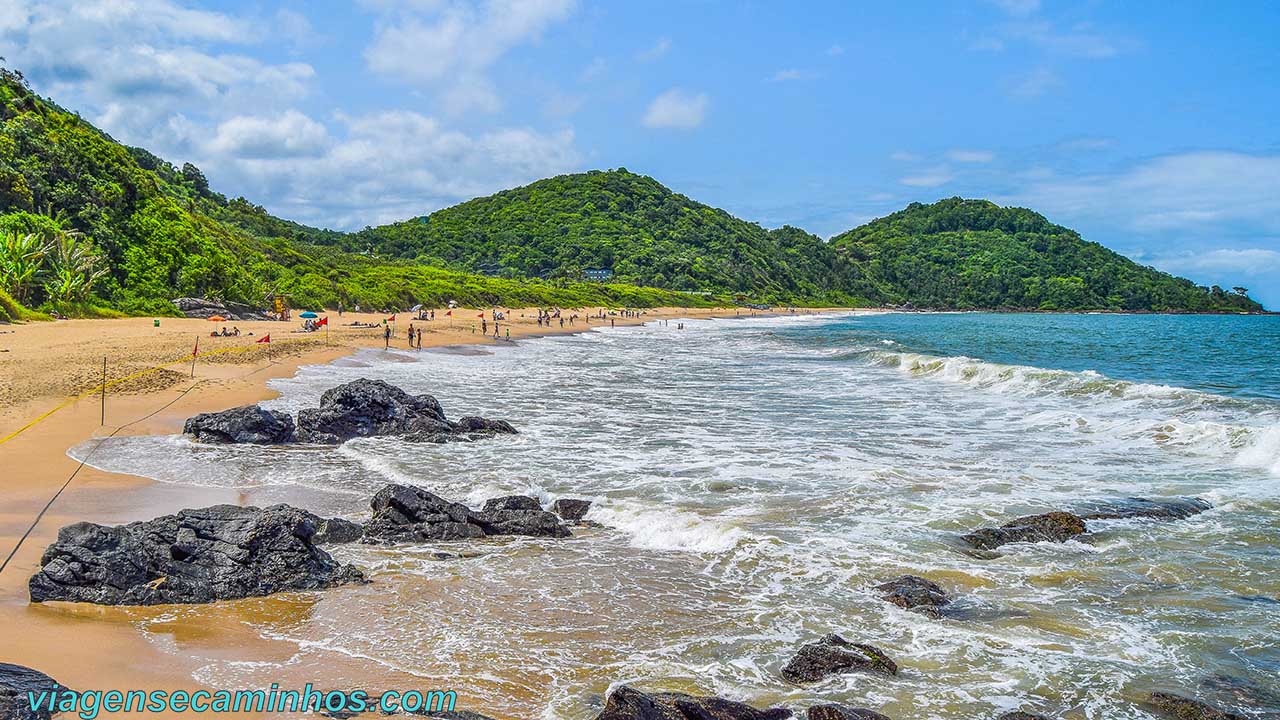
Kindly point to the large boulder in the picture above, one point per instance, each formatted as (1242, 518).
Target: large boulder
(19, 684)
(1185, 708)
(205, 308)
(405, 513)
(833, 655)
(249, 424)
(1161, 509)
(915, 593)
(223, 552)
(472, 425)
(831, 711)
(627, 703)
(1049, 527)
(368, 408)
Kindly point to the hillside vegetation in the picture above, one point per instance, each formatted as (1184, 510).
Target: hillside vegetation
(87, 222)
(91, 227)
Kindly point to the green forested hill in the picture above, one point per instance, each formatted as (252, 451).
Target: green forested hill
(959, 253)
(616, 220)
(88, 225)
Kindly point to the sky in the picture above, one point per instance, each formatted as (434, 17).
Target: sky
(1148, 127)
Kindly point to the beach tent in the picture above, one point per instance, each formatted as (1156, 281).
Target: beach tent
(308, 314)
(217, 318)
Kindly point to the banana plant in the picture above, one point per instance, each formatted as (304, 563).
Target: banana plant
(74, 268)
(22, 257)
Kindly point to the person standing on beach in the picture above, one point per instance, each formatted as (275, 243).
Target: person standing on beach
(386, 334)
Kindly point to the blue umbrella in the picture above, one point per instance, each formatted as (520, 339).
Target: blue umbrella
(308, 314)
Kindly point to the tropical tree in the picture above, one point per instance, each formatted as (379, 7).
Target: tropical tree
(74, 268)
(21, 260)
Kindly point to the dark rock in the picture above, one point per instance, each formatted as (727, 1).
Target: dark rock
(1019, 715)
(512, 502)
(627, 703)
(249, 424)
(482, 426)
(368, 408)
(915, 593)
(222, 552)
(833, 655)
(1184, 708)
(16, 681)
(436, 437)
(335, 531)
(571, 509)
(204, 308)
(831, 711)
(405, 513)
(1165, 509)
(1049, 527)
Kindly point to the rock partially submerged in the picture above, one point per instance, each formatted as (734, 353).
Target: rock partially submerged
(16, 682)
(404, 513)
(627, 703)
(1160, 509)
(223, 552)
(913, 592)
(1185, 708)
(833, 655)
(1020, 715)
(571, 509)
(249, 424)
(831, 711)
(1049, 527)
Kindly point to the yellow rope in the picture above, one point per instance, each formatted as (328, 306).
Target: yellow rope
(102, 386)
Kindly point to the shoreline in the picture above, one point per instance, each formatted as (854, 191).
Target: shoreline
(95, 647)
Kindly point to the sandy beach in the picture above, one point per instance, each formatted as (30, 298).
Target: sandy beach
(44, 364)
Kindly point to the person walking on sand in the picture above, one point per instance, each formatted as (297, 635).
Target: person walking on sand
(386, 335)
(484, 326)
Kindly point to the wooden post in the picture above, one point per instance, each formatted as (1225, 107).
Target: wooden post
(104, 389)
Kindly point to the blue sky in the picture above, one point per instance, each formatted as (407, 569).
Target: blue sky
(1148, 127)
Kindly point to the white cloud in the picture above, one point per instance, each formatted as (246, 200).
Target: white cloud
(656, 52)
(970, 156)
(450, 46)
(787, 75)
(835, 50)
(594, 69)
(904, 156)
(1018, 7)
(1246, 261)
(930, 178)
(1186, 193)
(282, 136)
(677, 108)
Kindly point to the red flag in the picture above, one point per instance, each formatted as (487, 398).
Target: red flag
(481, 315)
(391, 319)
(265, 339)
(196, 350)
(450, 313)
(323, 321)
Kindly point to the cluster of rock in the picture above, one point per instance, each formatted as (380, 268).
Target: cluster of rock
(222, 552)
(16, 682)
(226, 552)
(1061, 526)
(361, 408)
(205, 308)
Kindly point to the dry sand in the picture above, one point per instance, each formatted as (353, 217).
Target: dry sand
(42, 365)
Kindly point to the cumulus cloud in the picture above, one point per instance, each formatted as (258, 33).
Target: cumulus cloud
(677, 108)
(283, 136)
(450, 46)
(655, 52)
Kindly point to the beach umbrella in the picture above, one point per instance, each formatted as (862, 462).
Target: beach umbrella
(416, 308)
(217, 318)
(308, 314)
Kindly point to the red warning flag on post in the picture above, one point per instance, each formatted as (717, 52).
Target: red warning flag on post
(481, 315)
(323, 321)
(449, 314)
(391, 319)
(196, 350)
(265, 339)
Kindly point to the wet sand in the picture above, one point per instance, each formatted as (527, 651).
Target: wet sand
(91, 647)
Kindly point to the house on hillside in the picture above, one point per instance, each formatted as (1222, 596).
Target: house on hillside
(598, 274)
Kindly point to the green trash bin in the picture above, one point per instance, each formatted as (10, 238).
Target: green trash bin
(157, 322)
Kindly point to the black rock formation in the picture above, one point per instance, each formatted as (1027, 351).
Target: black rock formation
(833, 655)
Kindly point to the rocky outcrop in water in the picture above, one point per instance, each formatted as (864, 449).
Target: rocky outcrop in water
(361, 408)
(249, 424)
(16, 681)
(833, 655)
(831, 711)
(223, 552)
(1019, 715)
(627, 703)
(1049, 527)
(1184, 708)
(403, 513)
(1129, 508)
(571, 509)
(335, 531)
(915, 593)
